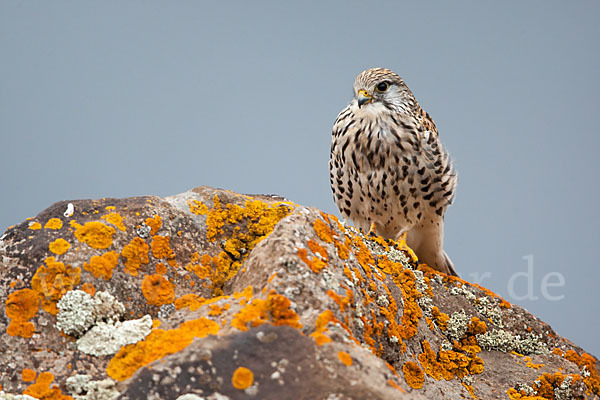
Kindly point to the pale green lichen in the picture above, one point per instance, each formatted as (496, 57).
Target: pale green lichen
(457, 325)
(488, 309)
(9, 396)
(529, 391)
(81, 387)
(75, 313)
(424, 301)
(484, 305)
(78, 311)
(96, 321)
(563, 392)
(107, 338)
(501, 340)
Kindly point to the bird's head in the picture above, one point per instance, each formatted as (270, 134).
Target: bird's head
(381, 87)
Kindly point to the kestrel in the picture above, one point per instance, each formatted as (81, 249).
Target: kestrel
(388, 170)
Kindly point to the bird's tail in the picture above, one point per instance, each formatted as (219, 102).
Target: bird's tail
(449, 265)
(427, 241)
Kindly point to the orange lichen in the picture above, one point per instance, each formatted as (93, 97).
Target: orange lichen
(161, 268)
(405, 280)
(342, 249)
(116, 220)
(255, 220)
(449, 363)
(53, 223)
(532, 365)
(158, 344)
(41, 389)
(197, 207)
(395, 386)
(344, 358)
(28, 375)
(59, 246)
(413, 374)
(592, 380)
(441, 319)
(314, 263)
(95, 234)
(242, 378)
(35, 226)
(24, 329)
(275, 309)
(317, 250)
(161, 248)
(545, 384)
(513, 394)
(323, 230)
(102, 266)
(53, 280)
(321, 326)
(216, 310)
(342, 302)
(155, 223)
(470, 390)
(22, 305)
(157, 290)
(557, 352)
(136, 253)
(88, 288)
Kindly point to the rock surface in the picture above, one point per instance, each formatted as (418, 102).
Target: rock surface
(254, 297)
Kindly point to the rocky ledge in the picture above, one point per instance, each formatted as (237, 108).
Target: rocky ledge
(211, 294)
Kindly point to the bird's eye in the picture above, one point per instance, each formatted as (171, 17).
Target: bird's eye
(382, 87)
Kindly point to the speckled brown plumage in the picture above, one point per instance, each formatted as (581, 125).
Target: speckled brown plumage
(388, 169)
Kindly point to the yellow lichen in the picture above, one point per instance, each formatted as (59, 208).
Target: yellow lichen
(35, 226)
(28, 375)
(59, 246)
(24, 329)
(529, 364)
(22, 305)
(116, 220)
(136, 253)
(190, 301)
(197, 207)
(161, 268)
(275, 309)
(158, 344)
(321, 326)
(102, 266)
(323, 230)
(314, 263)
(344, 358)
(154, 223)
(161, 247)
(448, 363)
(53, 223)
(89, 289)
(592, 380)
(95, 234)
(413, 374)
(242, 378)
(441, 318)
(53, 280)
(157, 290)
(240, 229)
(41, 389)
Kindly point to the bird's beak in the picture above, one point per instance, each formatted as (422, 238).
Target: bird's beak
(364, 97)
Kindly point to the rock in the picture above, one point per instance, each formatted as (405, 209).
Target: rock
(211, 294)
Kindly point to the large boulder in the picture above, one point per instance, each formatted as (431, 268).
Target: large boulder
(211, 294)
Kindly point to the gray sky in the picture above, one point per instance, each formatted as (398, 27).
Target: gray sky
(117, 99)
